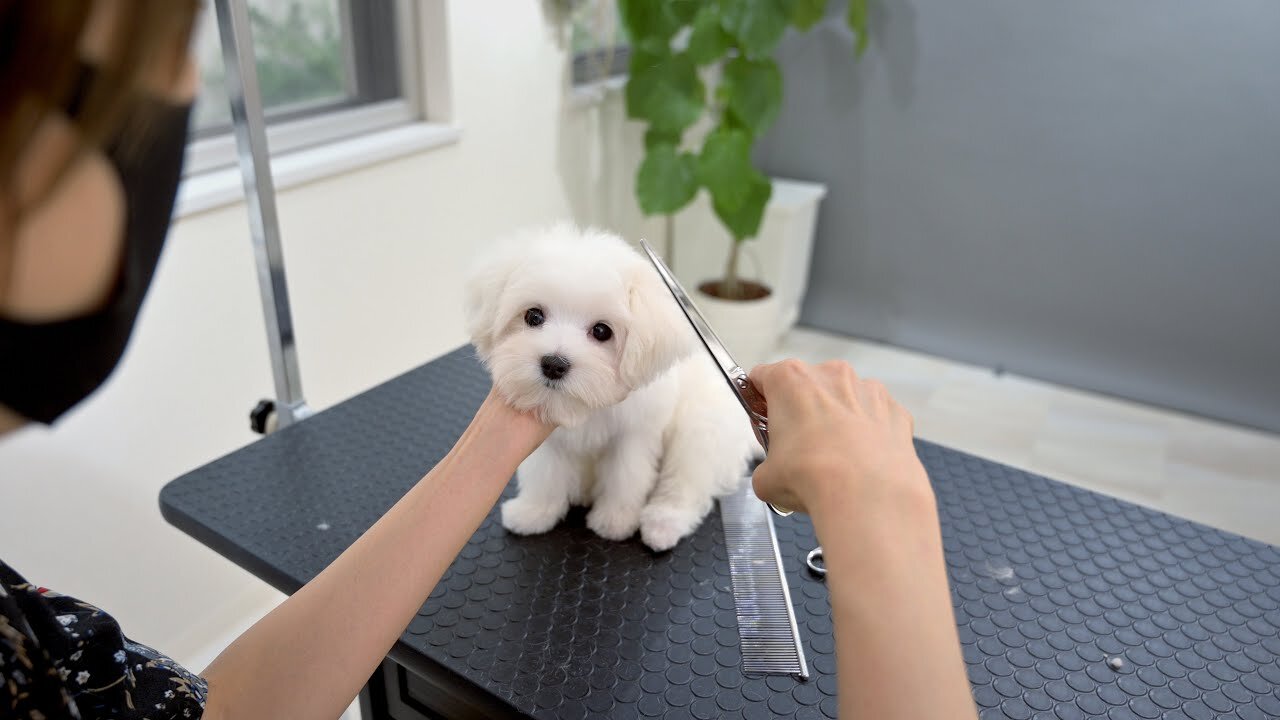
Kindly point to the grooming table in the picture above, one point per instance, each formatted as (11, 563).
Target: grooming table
(1048, 583)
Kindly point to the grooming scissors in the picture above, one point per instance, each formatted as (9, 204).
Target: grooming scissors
(752, 401)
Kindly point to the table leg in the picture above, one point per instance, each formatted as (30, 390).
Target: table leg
(373, 698)
(397, 692)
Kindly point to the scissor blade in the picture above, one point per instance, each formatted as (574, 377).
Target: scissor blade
(709, 339)
(733, 373)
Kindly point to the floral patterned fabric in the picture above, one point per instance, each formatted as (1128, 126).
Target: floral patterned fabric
(63, 658)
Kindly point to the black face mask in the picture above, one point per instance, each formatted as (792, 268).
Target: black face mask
(46, 368)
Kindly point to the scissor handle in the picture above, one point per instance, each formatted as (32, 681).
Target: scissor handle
(754, 401)
(812, 560)
(758, 409)
(761, 428)
(779, 511)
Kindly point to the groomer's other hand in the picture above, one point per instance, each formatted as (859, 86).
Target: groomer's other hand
(834, 439)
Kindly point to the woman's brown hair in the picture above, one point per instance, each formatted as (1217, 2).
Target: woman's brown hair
(41, 63)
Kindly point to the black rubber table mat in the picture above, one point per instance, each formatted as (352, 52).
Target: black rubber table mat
(1048, 583)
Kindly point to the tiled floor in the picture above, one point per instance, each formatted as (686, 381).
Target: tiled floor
(1218, 474)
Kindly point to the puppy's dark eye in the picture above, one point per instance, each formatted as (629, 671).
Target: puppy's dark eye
(533, 317)
(601, 332)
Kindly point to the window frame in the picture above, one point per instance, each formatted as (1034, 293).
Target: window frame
(309, 125)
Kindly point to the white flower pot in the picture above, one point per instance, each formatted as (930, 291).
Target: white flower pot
(778, 257)
(748, 328)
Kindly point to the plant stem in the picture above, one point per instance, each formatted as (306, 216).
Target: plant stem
(731, 288)
(669, 249)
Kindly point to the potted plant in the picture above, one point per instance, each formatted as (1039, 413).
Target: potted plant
(709, 65)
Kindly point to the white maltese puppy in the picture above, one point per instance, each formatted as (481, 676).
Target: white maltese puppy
(577, 326)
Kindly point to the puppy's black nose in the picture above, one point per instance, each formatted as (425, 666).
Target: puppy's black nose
(554, 367)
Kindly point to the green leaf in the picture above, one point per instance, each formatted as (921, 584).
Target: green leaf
(647, 50)
(667, 180)
(753, 91)
(857, 18)
(729, 121)
(665, 90)
(724, 166)
(684, 10)
(654, 137)
(648, 20)
(756, 24)
(806, 13)
(708, 41)
(744, 222)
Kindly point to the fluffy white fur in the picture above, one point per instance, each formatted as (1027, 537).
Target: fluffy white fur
(649, 433)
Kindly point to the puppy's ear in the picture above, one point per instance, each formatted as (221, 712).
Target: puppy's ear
(658, 334)
(486, 284)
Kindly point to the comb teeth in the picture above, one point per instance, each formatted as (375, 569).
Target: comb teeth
(770, 640)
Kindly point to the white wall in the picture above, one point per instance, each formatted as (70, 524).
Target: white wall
(374, 259)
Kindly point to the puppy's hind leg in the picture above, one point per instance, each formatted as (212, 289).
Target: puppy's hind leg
(547, 479)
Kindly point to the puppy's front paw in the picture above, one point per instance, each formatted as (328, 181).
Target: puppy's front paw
(612, 523)
(523, 516)
(662, 526)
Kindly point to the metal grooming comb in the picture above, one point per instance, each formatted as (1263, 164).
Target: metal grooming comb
(767, 631)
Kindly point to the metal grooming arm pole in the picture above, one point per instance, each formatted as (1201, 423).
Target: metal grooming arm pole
(260, 196)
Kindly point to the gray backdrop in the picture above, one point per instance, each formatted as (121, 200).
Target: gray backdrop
(1086, 192)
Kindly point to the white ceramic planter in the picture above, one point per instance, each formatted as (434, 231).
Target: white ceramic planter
(779, 257)
(748, 328)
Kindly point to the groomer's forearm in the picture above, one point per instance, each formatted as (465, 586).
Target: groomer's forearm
(310, 656)
(897, 650)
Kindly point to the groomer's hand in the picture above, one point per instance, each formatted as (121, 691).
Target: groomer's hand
(522, 429)
(840, 449)
(834, 439)
(307, 659)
